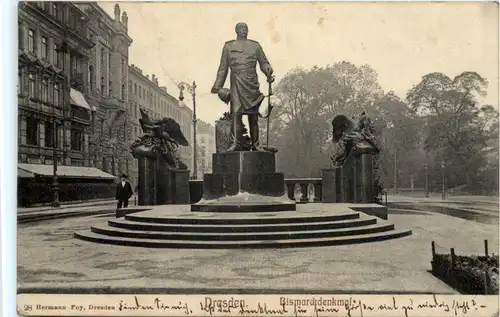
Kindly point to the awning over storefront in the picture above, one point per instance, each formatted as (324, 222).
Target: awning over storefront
(30, 170)
(24, 174)
(77, 99)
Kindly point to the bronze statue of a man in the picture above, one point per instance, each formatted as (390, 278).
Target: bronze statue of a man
(241, 56)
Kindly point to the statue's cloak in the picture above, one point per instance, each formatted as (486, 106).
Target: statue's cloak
(241, 57)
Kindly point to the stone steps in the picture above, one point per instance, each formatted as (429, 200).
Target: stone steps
(219, 218)
(240, 236)
(254, 244)
(169, 227)
(246, 228)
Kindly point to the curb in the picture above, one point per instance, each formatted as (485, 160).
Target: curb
(63, 207)
(35, 217)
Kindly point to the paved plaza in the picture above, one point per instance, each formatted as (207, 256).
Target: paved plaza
(50, 257)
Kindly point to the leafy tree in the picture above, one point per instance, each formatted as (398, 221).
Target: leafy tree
(454, 124)
(307, 101)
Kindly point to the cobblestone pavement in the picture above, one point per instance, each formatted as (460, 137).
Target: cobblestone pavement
(49, 256)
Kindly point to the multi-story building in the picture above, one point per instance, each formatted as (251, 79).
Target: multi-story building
(147, 94)
(53, 52)
(106, 77)
(205, 139)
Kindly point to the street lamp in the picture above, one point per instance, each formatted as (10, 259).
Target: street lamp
(443, 188)
(192, 90)
(426, 181)
(55, 183)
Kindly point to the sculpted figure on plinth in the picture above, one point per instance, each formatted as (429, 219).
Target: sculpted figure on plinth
(355, 139)
(241, 57)
(161, 138)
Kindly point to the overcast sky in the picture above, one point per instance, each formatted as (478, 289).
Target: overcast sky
(401, 41)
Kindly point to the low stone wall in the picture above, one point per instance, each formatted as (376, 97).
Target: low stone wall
(40, 191)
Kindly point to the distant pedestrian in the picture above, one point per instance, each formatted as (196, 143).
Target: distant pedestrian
(123, 192)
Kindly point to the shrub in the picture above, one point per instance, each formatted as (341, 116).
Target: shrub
(468, 274)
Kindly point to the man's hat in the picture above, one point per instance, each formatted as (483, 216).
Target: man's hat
(224, 95)
(124, 176)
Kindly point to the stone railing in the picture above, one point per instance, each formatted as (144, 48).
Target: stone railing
(304, 190)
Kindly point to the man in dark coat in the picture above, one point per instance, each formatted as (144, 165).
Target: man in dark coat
(241, 57)
(123, 192)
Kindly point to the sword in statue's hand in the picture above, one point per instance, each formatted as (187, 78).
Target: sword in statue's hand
(270, 80)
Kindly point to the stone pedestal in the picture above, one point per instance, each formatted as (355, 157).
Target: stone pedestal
(159, 184)
(366, 177)
(244, 181)
(222, 135)
(146, 182)
(351, 183)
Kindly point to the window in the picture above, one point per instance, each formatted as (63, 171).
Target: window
(109, 88)
(140, 92)
(102, 127)
(74, 64)
(76, 138)
(123, 91)
(56, 95)
(91, 77)
(109, 62)
(45, 90)
(110, 131)
(31, 85)
(31, 41)
(19, 83)
(103, 57)
(135, 89)
(44, 47)
(55, 11)
(20, 41)
(102, 85)
(31, 131)
(123, 67)
(57, 55)
(50, 134)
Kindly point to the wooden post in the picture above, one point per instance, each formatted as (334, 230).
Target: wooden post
(452, 252)
(486, 280)
(486, 247)
(433, 263)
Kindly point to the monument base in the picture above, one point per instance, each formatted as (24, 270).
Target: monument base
(244, 181)
(160, 184)
(245, 202)
(351, 183)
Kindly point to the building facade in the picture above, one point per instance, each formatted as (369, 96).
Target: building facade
(54, 47)
(106, 77)
(147, 94)
(205, 139)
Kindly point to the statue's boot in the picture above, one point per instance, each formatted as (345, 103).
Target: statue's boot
(254, 133)
(237, 134)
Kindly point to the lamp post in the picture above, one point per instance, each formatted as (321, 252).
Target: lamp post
(443, 187)
(64, 50)
(426, 181)
(55, 182)
(192, 90)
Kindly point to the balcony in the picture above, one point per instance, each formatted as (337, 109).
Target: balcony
(114, 103)
(77, 80)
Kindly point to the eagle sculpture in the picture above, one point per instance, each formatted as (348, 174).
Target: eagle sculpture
(352, 139)
(162, 137)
